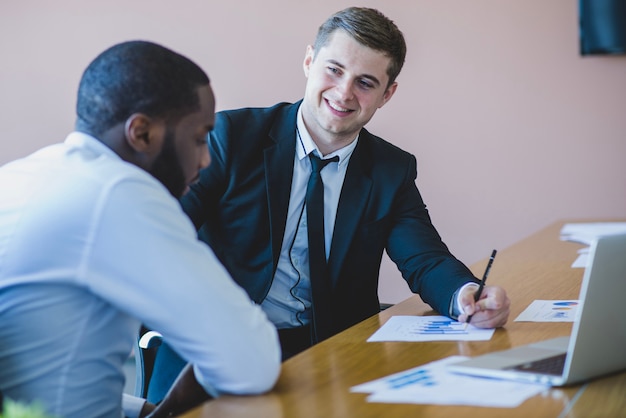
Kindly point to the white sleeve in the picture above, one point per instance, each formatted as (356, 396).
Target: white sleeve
(145, 257)
(132, 405)
(459, 308)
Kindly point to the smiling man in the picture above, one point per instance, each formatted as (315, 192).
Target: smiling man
(93, 243)
(252, 206)
(347, 84)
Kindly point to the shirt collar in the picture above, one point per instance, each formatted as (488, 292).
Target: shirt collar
(86, 141)
(305, 144)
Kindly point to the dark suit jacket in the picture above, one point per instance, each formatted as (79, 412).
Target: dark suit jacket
(240, 206)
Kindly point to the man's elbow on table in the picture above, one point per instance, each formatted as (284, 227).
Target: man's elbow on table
(255, 370)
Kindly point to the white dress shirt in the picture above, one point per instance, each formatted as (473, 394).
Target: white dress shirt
(292, 273)
(92, 246)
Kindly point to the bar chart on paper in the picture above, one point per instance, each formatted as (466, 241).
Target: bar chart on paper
(549, 311)
(428, 328)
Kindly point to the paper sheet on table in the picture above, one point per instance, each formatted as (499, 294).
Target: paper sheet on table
(433, 384)
(428, 328)
(586, 233)
(549, 311)
(581, 260)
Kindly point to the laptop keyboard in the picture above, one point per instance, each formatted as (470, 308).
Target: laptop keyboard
(551, 365)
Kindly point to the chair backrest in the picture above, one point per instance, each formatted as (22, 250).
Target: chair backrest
(157, 366)
(146, 347)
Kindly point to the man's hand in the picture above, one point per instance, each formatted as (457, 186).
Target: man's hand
(491, 310)
(147, 409)
(185, 393)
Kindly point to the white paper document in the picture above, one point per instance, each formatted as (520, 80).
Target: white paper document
(549, 311)
(428, 328)
(586, 233)
(433, 384)
(581, 260)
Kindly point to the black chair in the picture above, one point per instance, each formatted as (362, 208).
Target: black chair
(157, 366)
(146, 348)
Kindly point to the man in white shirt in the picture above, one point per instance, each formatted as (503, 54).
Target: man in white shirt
(93, 243)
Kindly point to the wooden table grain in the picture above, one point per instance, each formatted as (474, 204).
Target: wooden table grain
(317, 382)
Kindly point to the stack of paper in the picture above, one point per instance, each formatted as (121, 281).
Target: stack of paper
(433, 384)
(586, 233)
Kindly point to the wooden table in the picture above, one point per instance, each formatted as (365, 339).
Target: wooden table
(317, 382)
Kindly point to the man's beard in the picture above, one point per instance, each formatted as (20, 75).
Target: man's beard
(167, 168)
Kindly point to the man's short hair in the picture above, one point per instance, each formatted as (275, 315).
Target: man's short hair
(136, 77)
(370, 28)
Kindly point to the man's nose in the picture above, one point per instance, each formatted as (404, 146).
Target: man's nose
(205, 158)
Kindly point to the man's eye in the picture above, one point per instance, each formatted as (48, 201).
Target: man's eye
(366, 84)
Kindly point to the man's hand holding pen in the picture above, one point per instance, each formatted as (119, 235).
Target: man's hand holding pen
(490, 311)
(485, 306)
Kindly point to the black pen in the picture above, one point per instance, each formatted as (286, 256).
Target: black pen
(482, 282)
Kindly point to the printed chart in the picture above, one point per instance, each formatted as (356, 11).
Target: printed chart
(433, 384)
(428, 328)
(550, 311)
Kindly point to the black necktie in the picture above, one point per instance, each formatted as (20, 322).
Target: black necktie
(318, 270)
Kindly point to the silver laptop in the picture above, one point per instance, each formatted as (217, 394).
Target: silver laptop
(597, 345)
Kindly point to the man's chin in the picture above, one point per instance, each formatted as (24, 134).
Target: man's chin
(189, 184)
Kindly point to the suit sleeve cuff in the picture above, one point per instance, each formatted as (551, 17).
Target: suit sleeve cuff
(455, 303)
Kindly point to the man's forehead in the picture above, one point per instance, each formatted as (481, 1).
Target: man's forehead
(346, 52)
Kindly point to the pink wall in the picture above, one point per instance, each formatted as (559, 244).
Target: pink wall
(511, 127)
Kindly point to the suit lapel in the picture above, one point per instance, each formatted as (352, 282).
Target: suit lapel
(279, 159)
(354, 196)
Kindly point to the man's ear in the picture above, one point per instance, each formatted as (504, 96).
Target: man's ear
(143, 134)
(388, 93)
(308, 60)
